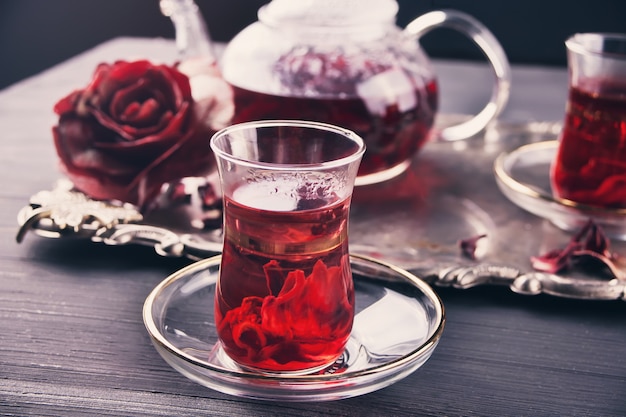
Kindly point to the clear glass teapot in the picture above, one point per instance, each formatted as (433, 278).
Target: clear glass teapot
(345, 62)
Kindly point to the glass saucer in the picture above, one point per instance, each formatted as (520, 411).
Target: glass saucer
(398, 324)
(523, 176)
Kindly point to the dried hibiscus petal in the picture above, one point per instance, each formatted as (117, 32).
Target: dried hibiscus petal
(593, 239)
(555, 260)
(468, 246)
(589, 242)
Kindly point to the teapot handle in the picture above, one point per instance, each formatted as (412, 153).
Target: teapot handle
(492, 49)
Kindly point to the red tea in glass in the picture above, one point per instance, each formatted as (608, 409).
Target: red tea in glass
(289, 302)
(590, 165)
(285, 296)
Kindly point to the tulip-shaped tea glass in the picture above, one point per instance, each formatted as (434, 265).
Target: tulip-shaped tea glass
(590, 166)
(285, 296)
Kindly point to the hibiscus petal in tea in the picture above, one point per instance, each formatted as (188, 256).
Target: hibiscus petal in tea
(285, 297)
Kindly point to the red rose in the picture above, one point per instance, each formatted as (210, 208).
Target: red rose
(135, 127)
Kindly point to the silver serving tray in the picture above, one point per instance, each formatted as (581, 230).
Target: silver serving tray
(415, 221)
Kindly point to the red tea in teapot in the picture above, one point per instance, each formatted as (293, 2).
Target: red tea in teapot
(590, 166)
(391, 137)
(392, 109)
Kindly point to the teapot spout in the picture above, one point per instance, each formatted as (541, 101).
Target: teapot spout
(192, 37)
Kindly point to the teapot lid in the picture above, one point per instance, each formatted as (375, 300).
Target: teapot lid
(328, 12)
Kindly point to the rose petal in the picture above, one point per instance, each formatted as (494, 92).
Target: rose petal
(142, 114)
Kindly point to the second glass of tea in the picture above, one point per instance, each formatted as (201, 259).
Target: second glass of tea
(285, 295)
(590, 165)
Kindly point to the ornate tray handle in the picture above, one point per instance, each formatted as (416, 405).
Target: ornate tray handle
(529, 283)
(63, 211)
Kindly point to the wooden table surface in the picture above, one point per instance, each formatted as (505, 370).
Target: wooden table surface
(73, 341)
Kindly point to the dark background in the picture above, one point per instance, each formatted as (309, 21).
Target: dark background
(36, 34)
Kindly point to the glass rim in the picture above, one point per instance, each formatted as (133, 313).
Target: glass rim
(576, 43)
(334, 163)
